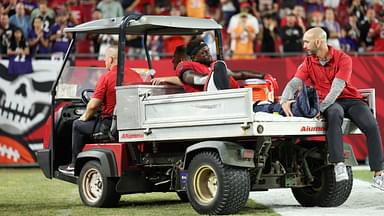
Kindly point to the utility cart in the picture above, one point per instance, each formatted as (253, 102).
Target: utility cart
(208, 147)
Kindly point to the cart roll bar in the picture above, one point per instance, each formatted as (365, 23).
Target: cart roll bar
(145, 39)
(219, 45)
(53, 95)
(121, 53)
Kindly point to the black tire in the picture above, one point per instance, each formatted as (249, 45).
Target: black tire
(325, 191)
(183, 196)
(96, 190)
(216, 188)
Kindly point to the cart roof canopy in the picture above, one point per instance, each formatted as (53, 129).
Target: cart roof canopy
(152, 25)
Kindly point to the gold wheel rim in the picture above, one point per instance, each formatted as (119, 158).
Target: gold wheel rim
(205, 184)
(92, 185)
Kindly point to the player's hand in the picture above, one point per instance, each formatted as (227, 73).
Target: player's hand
(157, 81)
(287, 107)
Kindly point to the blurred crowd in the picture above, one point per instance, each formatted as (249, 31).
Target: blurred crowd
(251, 27)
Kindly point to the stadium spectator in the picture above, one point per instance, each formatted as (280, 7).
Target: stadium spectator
(357, 8)
(38, 39)
(162, 7)
(366, 43)
(2, 9)
(178, 7)
(94, 37)
(377, 5)
(342, 12)
(56, 4)
(228, 8)
(376, 32)
(6, 30)
(20, 19)
(291, 3)
(106, 40)
(18, 54)
(251, 21)
(347, 43)
(314, 5)
(242, 38)
(345, 10)
(352, 34)
(196, 8)
(47, 15)
(333, 28)
(10, 8)
(110, 8)
(267, 7)
(270, 35)
(75, 10)
(334, 4)
(135, 47)
(60, 39)
(316, 19)
(291, 35)
(129, 6)
(299, 13)
(29, 6)
(146, 7)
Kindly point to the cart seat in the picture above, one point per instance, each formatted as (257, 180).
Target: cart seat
(105, 136)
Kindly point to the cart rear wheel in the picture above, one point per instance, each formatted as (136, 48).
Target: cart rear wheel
(325, 191)
(216, 188)
(96, 190)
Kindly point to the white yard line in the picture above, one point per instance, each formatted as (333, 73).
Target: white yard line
(364, 200)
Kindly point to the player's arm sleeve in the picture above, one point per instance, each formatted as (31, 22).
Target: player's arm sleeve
(190, 77)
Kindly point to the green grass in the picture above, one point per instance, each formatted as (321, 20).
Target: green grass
(364, 175)
(28, 192)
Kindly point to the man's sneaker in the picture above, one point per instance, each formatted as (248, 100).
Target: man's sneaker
(67, 169)
(341, 173)
(378, 182)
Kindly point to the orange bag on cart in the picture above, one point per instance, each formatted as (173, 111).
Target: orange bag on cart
(263, 89)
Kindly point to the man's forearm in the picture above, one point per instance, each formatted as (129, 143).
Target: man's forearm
(336, 88)
(289, 91)
(92, 107)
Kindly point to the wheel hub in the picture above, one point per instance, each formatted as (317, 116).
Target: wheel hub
(93, 185)
(205, 184)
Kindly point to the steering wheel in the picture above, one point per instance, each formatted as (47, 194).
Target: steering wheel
(86, 95)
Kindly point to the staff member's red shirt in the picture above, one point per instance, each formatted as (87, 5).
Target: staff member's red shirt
(105, 88)
(338, 66)
(199, 69)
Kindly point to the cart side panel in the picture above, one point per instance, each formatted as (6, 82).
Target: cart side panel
(129, 103)
(203, 108)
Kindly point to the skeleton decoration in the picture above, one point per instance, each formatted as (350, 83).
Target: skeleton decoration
(24, 100)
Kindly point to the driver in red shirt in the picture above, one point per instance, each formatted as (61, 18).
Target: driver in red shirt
(104, 97)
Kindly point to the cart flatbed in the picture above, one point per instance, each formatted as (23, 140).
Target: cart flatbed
(202, 115)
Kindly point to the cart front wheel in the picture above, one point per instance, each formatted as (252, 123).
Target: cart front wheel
(96, 190)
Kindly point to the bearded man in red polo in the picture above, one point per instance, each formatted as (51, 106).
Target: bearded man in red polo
(329, 71)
